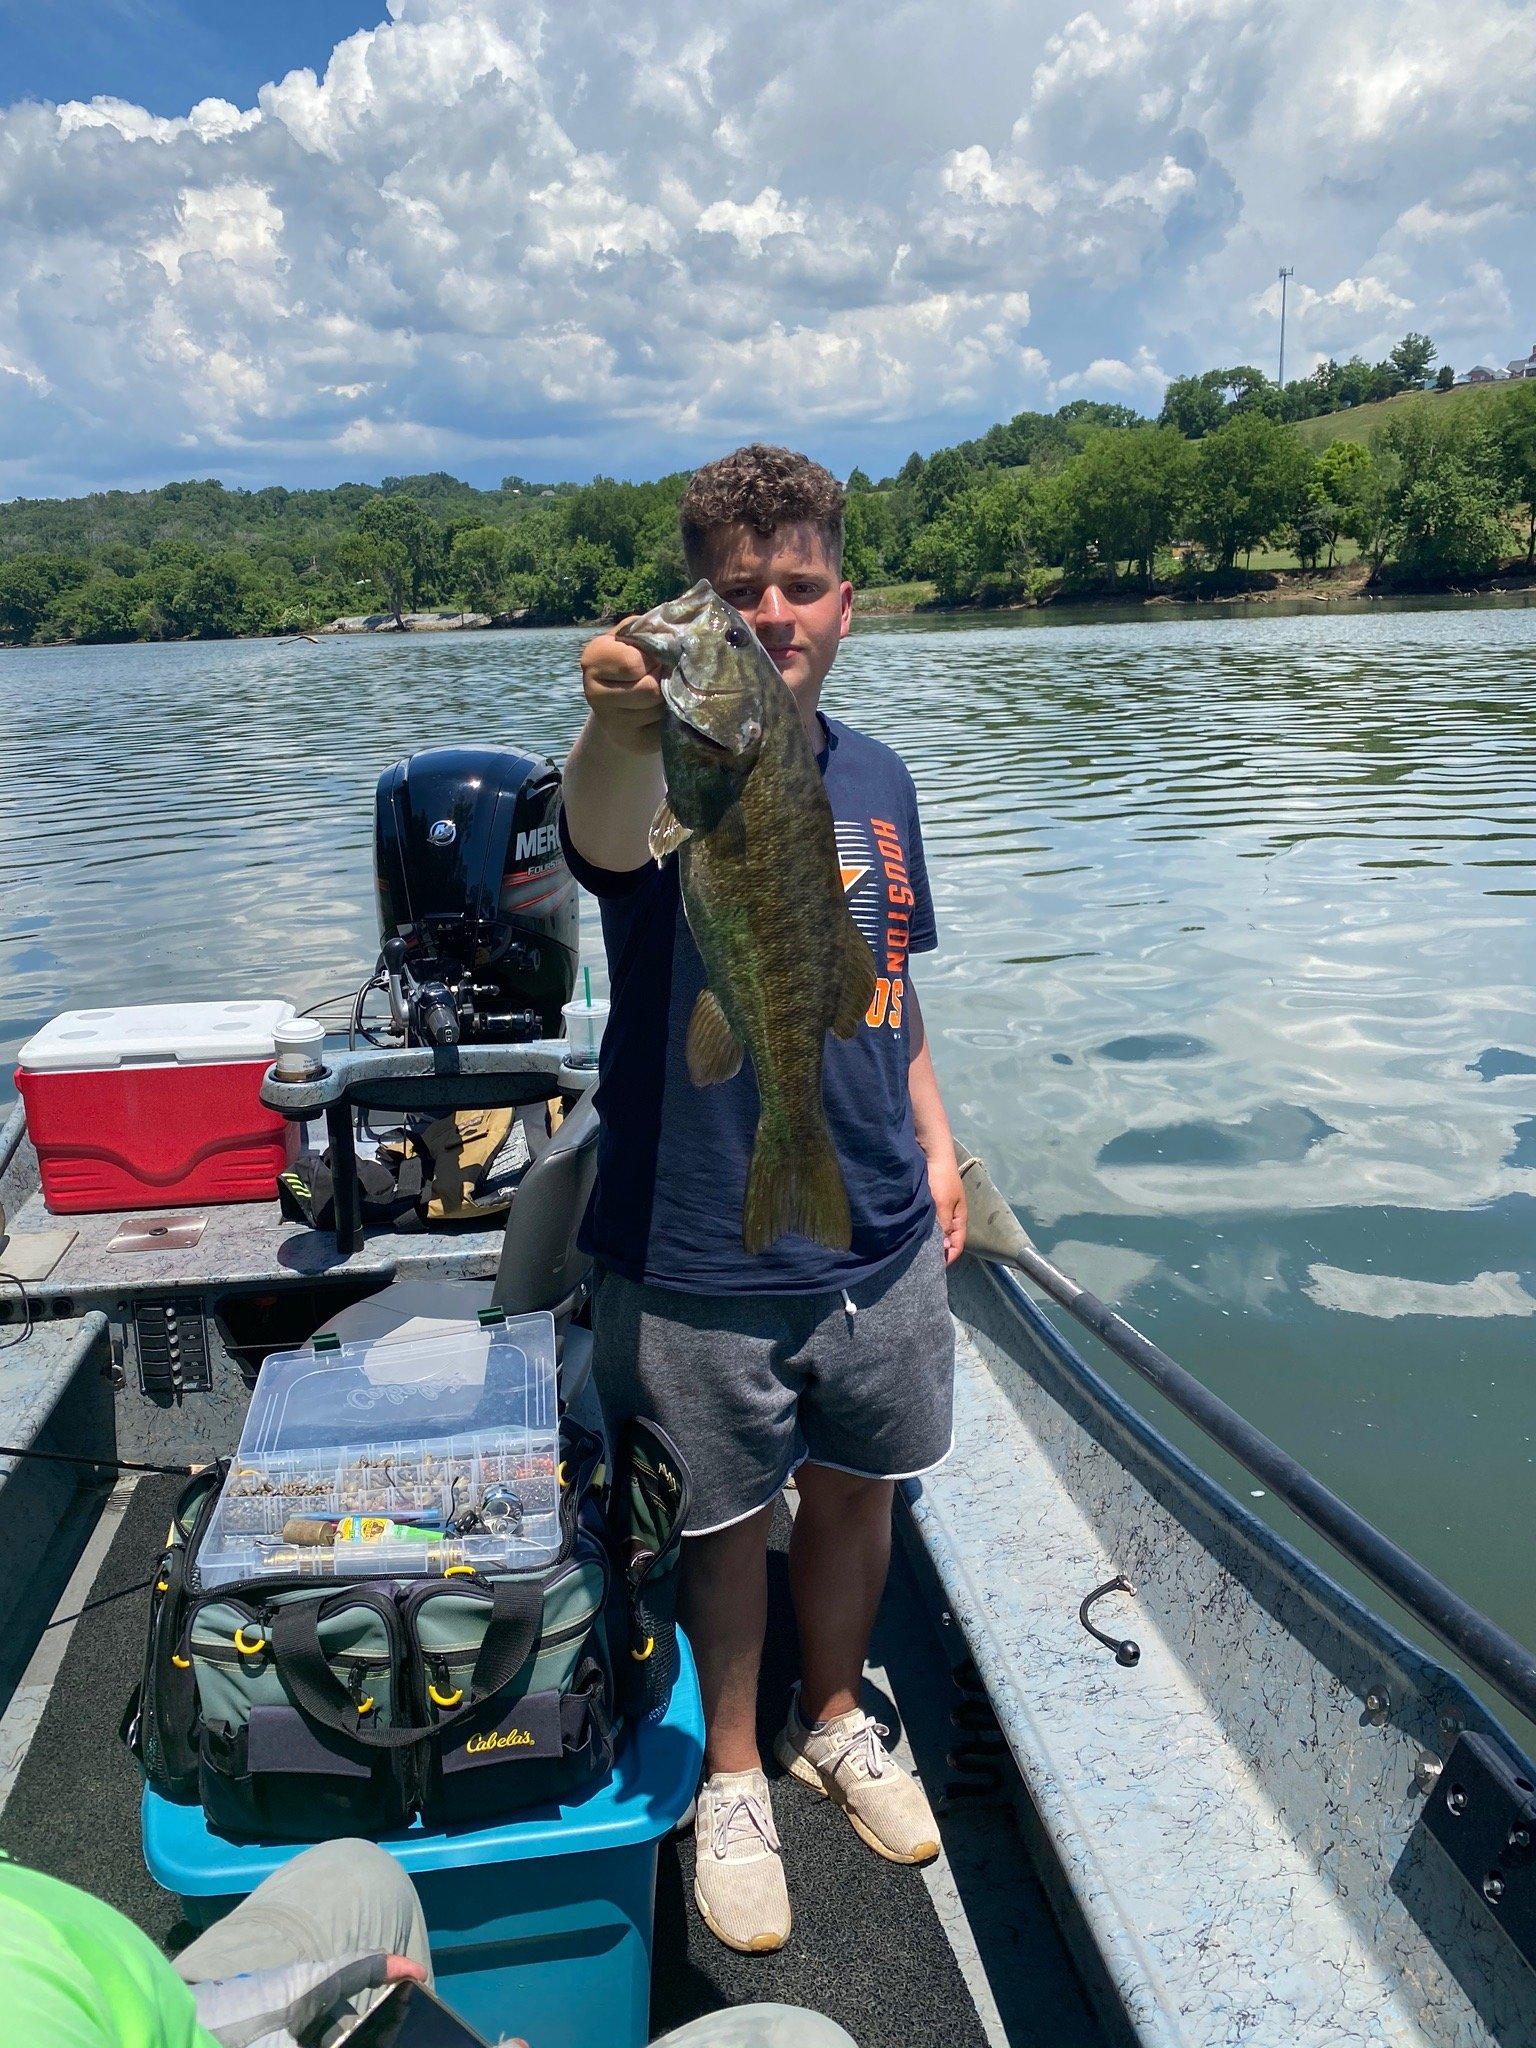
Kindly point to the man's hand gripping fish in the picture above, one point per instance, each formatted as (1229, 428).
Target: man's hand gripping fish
(747, 815)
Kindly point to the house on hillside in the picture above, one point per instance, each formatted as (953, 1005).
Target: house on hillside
(1481, 374)
(1523, 366)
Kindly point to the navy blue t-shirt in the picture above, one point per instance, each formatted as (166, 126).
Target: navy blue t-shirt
(672, 1157)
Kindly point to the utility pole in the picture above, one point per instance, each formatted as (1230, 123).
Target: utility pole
(1285, 276)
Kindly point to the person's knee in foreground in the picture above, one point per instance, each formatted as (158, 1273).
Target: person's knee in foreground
(344, 1900)
(314, 1947)
(835, 1364)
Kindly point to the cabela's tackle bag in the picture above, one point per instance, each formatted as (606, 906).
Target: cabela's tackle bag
(300, 1710)
(651, 1495)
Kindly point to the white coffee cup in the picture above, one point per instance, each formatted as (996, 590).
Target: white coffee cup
(299, 1045)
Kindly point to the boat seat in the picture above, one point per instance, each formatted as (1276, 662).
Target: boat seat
(541, 1265)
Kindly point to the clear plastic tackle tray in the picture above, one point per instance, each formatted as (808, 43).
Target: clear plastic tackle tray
(399, 1455)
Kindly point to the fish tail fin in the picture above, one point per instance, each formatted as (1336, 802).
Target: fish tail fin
(795, 1183)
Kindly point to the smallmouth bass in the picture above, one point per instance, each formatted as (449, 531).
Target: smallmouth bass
(749, 820)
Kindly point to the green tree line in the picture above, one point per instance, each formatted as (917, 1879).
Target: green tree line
(1439, 496)
(1092, 496)
(1198, 405)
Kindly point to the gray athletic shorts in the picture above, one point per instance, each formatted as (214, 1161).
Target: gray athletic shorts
(749, 1386)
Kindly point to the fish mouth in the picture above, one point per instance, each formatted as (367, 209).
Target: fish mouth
(663, 642)
(659, 633)
(681, 677)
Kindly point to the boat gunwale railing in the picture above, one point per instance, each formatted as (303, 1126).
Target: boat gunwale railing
(1499, 1659)
(12, 1131)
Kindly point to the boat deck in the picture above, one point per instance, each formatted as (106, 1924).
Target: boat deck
(964, 1955)
(238, 1245)
(1232, 1831)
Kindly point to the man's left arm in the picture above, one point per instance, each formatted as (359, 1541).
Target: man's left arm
(933, 1133)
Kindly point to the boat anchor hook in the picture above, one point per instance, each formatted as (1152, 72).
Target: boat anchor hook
(1126, 1652)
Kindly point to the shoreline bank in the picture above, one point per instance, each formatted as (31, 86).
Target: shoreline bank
(1323, 589)
(1352, 584)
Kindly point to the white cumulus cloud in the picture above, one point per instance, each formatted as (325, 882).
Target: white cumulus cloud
(501, 234)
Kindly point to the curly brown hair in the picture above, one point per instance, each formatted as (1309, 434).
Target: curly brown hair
(764, 488)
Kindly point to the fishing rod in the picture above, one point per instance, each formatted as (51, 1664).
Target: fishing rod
(994, 1233)
(105, 1464)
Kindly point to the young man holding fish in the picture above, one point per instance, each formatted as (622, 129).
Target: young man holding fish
(775, 1301)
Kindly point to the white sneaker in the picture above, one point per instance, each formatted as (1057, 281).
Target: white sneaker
(847, 1760)
(738, 1878)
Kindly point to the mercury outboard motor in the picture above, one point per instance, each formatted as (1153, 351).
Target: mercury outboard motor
(477, 908)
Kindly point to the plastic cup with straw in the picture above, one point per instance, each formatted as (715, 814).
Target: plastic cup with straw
(584, 1023)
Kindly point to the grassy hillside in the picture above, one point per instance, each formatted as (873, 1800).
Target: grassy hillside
(1360, 422)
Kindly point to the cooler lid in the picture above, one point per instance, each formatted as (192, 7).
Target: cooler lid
(154, 1034)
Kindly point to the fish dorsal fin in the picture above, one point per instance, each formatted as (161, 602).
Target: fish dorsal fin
(667, 832)
(714, 1050)
(856, 989)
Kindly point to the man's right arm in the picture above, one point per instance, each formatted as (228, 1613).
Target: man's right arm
(613, 775)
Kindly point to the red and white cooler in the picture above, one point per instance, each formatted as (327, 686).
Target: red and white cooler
(155, 1107)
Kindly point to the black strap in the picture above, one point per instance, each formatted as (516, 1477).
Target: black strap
(173, 1572)
(517, 1608)
(317, 1691)
(534, 1118)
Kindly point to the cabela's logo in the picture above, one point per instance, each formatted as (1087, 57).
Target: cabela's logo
(509, 1738)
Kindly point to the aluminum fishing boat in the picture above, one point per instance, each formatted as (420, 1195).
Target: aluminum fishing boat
(1192, 1791)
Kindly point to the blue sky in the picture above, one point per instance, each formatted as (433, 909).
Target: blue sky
(292, 244)
(166, 54)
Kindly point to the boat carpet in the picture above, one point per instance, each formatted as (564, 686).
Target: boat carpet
(867, 1949)
(74, 1808)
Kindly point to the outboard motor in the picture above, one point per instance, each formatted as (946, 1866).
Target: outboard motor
(477, 908)
(478, 917)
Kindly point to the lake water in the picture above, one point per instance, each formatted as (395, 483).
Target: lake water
(1235, 991)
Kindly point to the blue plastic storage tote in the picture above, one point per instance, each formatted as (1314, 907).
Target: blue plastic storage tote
(540, 1926)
